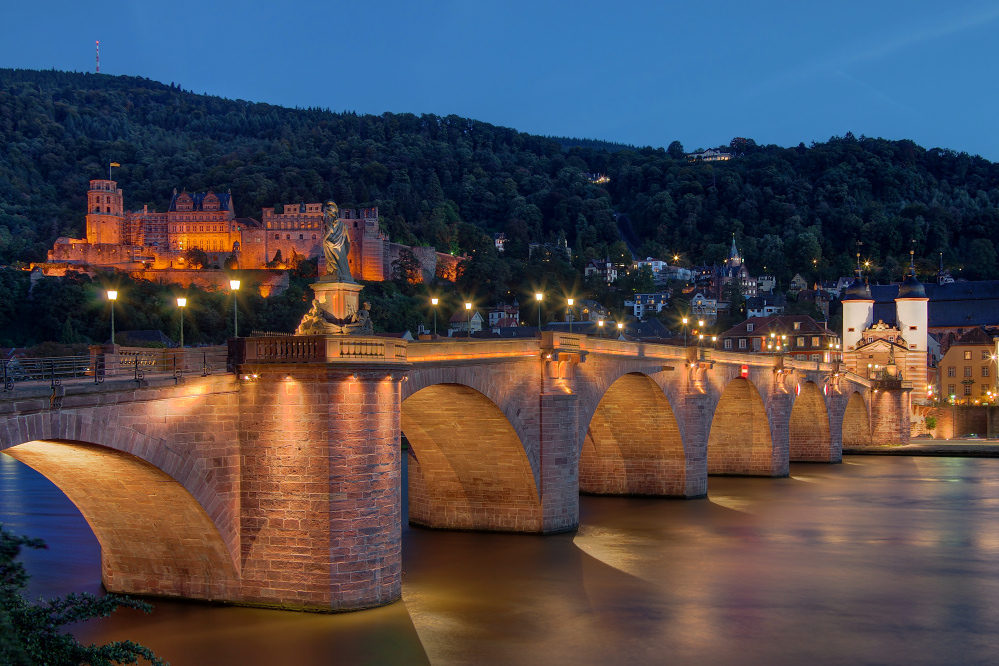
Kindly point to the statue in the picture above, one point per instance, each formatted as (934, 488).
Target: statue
(361, 324)
(336, 244)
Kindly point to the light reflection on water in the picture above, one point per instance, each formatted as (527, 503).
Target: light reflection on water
(883, 560)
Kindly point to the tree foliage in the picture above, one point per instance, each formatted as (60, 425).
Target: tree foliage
(34, 633)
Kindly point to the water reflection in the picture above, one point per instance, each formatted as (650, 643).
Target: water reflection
(883, 560)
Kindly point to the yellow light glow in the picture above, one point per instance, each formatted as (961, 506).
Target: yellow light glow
(468, 306)
(538, 296)
(181, 302)
(112, 295)
(433, 301)
(234, 284)
(570, 301)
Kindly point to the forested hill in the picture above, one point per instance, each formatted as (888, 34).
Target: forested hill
(431, 176)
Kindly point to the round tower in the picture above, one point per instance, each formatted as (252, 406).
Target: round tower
(911, 315)
(105, 213)
(858, 313)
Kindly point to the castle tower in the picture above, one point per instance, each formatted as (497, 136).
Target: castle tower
(734, 260)
(105, 213)
(858, 313)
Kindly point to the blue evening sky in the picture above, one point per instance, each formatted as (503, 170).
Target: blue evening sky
(641, 73)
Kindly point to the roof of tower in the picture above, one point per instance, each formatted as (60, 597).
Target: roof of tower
(858, 291)
(733, 253)
(911, 288)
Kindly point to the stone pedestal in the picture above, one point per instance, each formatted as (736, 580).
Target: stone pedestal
(337, 298)
(337, 301)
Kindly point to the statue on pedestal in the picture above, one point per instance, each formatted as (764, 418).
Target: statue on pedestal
(336, 245)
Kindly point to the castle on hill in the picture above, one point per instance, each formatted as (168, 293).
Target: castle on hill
(145, 240)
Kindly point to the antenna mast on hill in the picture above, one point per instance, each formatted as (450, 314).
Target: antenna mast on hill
(98, 56)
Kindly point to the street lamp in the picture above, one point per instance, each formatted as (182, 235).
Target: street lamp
(468, 316)
(684, 320)
(620, 328)
(433, 302)
(538, 296)
(234, 285)
(600, 326)
(570, 301)
(112, 296)
(181, 303)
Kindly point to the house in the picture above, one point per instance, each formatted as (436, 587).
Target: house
(504, 312)
(709, 156)
(644, 304)
(592, 311)
(602, 267)
(820, 297)
(702, 307)
(765, 283)
(765, 305)
(461, 321)
(967, 371)
(499, 240)
(798, 283)
(798, 336)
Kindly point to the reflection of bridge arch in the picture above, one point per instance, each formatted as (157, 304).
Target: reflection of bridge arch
(809, 437)
(155, 537)
(633, 445)
(467, 466)
(739, 441)
(856, 422)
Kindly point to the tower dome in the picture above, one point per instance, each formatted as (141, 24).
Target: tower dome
(911, 288)
(858, 291)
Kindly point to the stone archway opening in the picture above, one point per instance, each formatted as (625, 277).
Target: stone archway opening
(739, 441)
(633, 445)
(808, 429)
(856, 422)
(155, 537)
(467, 466)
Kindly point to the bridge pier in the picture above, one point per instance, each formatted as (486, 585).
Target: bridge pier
(559, 463)
(890, 417)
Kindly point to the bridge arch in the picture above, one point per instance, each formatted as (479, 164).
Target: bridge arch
(468, 468)
(856, 422)
(809, 436)
(633, 445)
(739, 439)
(155, 537)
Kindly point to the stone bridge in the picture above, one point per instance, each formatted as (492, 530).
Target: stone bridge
(279, 483)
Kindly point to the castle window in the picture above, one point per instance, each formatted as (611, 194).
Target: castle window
(287, 236)
(277, 236)
(849, 330)
(109, 209)
(913, 328)
(313, 237)
(301, 236)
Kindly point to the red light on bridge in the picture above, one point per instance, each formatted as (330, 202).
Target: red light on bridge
(744, 372)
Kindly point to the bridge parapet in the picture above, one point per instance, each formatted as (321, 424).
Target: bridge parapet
(318, 349)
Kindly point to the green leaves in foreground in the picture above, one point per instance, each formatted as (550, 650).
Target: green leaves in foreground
(30, 633)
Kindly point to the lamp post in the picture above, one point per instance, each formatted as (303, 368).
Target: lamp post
(468, 316)
(600, 327)
(570, 302)
(538, 296)
(433, 302)
(112, 296)
(714, 341)
(181, 303)
(620, 328)
(684, 320)
(234, 285)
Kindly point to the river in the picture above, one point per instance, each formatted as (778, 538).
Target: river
(880, 560)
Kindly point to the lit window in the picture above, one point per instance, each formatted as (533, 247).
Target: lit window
(967, 356)
(797, 325)
(800, 341)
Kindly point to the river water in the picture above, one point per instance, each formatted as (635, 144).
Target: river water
(880, 560)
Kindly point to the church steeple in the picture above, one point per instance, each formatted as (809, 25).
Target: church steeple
(733, 255)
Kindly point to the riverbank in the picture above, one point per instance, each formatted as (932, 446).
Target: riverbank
(958, 448)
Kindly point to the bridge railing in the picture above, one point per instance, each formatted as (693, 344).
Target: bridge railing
(113, 361)
(317, 349)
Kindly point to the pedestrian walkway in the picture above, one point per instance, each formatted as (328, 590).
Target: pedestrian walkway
(958, 448)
